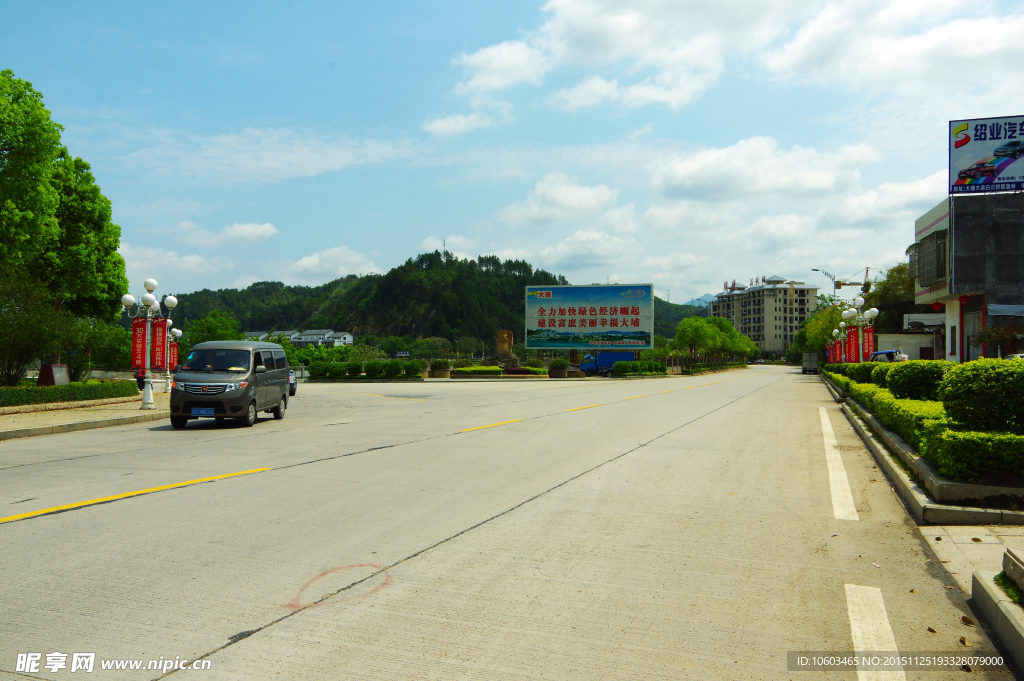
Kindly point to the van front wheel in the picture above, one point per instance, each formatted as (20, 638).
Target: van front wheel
(251, 414)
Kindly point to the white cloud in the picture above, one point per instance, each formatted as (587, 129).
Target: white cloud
(896, 197)
(559, 197)
(256, 156)
(591, 92)
(590, 248)
(907, 45)
(500, 66)
(329, 264)
(458, 123)
(140, 259)
(686, 217)
(758, 166)
(238, 234)
(455, 244)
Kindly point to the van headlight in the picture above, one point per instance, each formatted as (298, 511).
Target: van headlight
(235, 386)
(177, 385)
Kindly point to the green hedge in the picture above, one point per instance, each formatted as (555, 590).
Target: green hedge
(73, 392)
(861, 373)
(353, 369)
(906, 417)
(413, 368)
(842, 382)
(476, 371)
(865, 393)
(880, 372)
(986, 394)
(558, 364)
(393, 368)
(373, 369)
(917, 379)
(440, 365)
(964, 455)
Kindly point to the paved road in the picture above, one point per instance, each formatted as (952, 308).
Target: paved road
(651, 529)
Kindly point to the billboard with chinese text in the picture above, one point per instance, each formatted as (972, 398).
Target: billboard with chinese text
(984, 155)
(598, 317)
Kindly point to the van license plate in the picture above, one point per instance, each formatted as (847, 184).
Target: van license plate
(202, 411)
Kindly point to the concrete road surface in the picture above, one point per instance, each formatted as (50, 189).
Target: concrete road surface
(680, 528)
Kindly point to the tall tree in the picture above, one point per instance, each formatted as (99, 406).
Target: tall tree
(29, 146)
(81, 266)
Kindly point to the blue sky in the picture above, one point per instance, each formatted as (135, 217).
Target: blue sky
(679, 143)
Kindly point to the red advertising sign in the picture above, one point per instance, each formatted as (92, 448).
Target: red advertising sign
(159, 344)
(853, 352)
(138, 343)
(869, 341)
(172, 355)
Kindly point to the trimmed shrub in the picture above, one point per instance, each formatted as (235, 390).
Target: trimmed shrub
(986, 394)
(318, 369)
(842, 382)
(906, 417)
(440, 365)
(861, 373)
(917, 379)
(535, 363)
(521, 371)
(414, 368)
(865, 394)
(879, 373)
(72, 392)
(620, 368)
(558, 364)
(353, 369)
(336, 369)
(964, 455)
(373, 369)
(392, 368)
(462, 363)
(476, 371)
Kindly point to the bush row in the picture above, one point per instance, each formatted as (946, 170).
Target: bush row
(73, 392)
(477, 371)
(642, 367)
(392, 368)
(964, 455)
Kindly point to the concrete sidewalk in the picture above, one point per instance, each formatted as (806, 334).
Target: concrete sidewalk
(82, 418)
(965, 549)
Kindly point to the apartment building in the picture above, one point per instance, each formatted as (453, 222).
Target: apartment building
(769, 311)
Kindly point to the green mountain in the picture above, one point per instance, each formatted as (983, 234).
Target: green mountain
(433, 294)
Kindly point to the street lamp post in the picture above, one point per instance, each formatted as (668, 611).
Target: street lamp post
(149, 309)
(858, 319)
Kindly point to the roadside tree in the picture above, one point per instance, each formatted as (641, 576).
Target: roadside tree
(218, 325)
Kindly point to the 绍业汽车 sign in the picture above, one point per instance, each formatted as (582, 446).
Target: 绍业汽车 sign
(599, 317)
(984, 155)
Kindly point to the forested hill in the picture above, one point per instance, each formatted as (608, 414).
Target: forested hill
(430, 295)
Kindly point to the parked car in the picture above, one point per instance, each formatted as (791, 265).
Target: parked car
(1017, 356)
(888, 356)
(977, 171)
(292, 383)
(1015, 149)
(230, 379)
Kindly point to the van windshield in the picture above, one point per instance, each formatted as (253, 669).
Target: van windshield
(217, 360)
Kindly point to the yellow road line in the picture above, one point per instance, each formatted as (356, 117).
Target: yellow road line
(635, 397)
(669, 391)
(586, 407)
(466, 430)
(115, 497)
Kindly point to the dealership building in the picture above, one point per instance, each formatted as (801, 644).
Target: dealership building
(769, 311)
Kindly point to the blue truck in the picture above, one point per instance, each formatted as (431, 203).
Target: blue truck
(600, 364)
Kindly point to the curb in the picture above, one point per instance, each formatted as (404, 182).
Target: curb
(57, 406)
(921, 507)
(362, 380)
(1004, 616)
(155, 415)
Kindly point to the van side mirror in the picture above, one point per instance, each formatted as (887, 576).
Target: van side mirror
(261, 369)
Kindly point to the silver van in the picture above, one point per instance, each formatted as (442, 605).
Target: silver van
(230, 379)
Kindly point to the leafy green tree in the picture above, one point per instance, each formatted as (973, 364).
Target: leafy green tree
(28, 325)
(466, 345)
(81, 266)
(111, 346)
(218, 325)
(817, 330)
(393, 344)
(29, 146)
(693, 334)
(368, 340)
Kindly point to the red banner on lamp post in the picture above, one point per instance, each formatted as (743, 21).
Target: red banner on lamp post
(855, 344)
(159, 344)
(139, 343)
(172, 355)
(869, 341)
